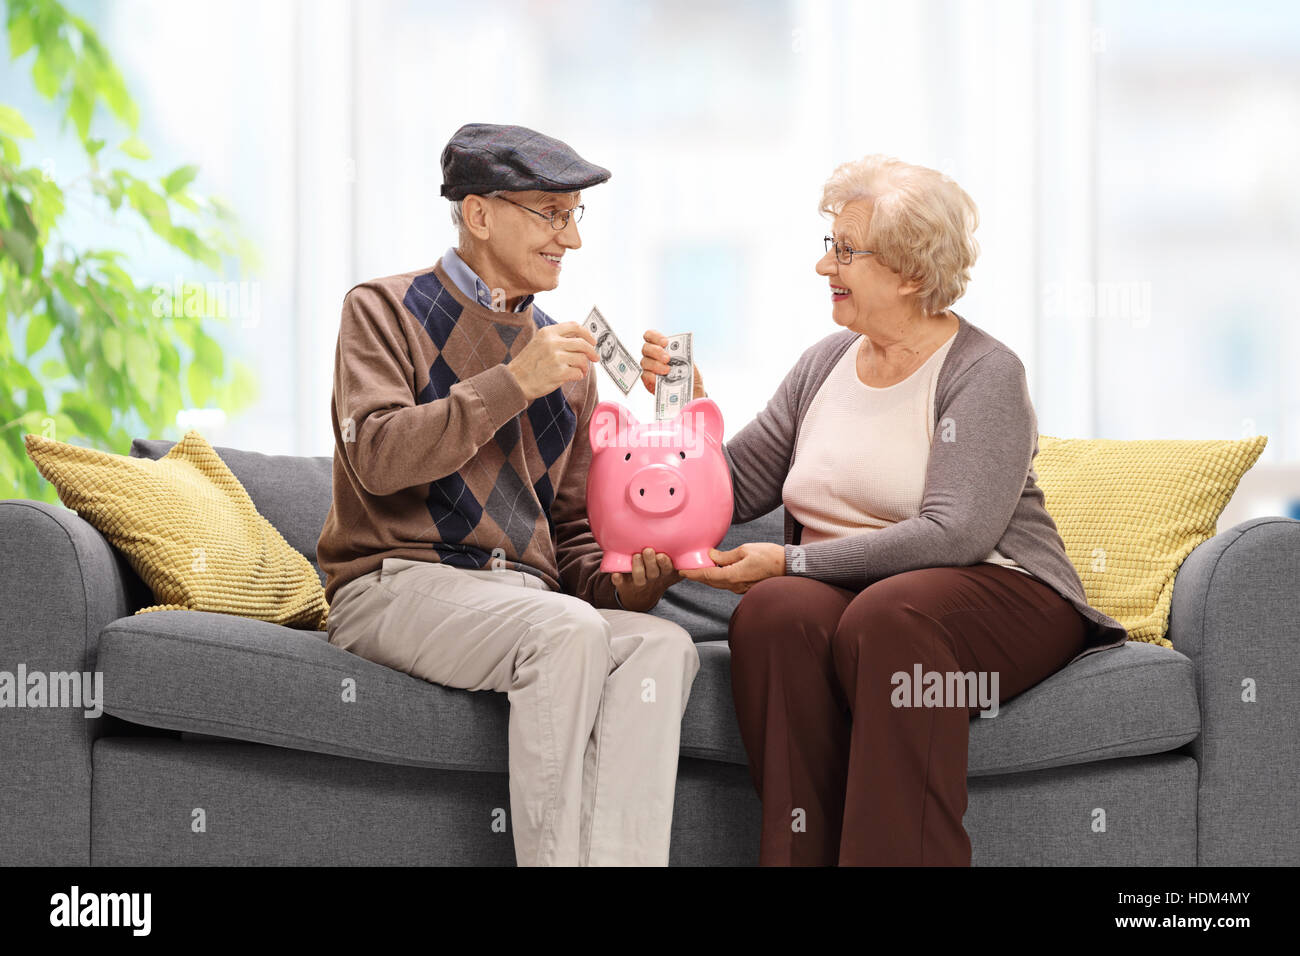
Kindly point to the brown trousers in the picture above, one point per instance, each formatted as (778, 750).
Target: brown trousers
(846, 774)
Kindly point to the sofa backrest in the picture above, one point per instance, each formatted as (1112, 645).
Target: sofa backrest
(293, 492)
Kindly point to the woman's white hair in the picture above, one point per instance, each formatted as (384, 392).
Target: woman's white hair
(922, 223)
(458, 213)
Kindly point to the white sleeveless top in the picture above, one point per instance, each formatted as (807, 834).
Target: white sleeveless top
(840, 486)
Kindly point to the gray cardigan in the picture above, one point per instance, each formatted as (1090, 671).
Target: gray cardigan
(981, 491)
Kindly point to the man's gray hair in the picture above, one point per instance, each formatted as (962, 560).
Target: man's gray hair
(458, 212)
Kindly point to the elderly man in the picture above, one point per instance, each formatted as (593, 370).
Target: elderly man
(458, 547)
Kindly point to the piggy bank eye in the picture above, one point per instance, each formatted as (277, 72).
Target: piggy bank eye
(627, 456)
(682, 454)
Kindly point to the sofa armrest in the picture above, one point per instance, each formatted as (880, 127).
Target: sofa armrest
(63, 582)
(1236, 614)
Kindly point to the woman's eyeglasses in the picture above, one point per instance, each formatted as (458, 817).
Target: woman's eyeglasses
(844, 252)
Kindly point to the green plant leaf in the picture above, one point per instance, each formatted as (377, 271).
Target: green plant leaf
(113, 193)
(90, 417)
(134, 148)
(15, 305)
(81, 105)
(186, 328)
(119, 369)
(111, 343)
(188, 241)
(142, 360)
(22, 378)
(45, 76)
(47, 203)
(179, 178)
(170, 359)
(20, 216)
(244, 389)
(53, 369)
(210, 258)
(169, 392)
(21, 36)
(222, 208)
(207, 355)
(13, 124)
(119, 101)
(150, 205)
(200, 385)
(28, 422)
(20, 249)
(39, 327)
(117, 277)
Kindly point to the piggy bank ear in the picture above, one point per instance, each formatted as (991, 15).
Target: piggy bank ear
(701, 416)
(610, 423)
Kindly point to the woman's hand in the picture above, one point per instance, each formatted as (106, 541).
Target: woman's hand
(652, 575)
(654, 362)
(742, 567)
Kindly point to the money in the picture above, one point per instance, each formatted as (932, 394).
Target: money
(614, 356)
(674, 389)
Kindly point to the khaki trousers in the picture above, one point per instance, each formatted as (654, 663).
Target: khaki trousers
(596, 697)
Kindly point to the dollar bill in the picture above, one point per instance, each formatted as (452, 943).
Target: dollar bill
(674, 389)
(614, 356)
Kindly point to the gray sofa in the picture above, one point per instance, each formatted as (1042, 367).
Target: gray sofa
(224, 740)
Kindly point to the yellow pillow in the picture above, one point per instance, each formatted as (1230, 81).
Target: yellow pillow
(1130, 512)
(189, 529)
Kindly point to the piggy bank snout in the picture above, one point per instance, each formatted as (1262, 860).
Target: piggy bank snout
(657, 490)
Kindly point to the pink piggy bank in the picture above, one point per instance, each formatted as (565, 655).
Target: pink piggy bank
(662, 485)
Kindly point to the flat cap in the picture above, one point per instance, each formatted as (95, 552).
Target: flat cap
(482, 157)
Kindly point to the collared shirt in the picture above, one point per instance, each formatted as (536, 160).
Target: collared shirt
(468, 282)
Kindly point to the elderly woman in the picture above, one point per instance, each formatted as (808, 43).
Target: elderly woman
(919, 560)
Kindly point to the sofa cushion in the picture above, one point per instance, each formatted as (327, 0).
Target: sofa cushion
(1130, 512)
(1134, 699)
(292, 492)
(239, 678)
(249, 680)
(188, 528)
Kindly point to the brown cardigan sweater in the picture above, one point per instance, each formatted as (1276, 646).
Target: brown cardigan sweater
(439, 456)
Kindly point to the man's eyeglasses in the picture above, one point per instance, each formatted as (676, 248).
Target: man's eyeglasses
(843, 251)
(558, 220)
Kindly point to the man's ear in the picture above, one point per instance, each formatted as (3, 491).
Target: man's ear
(477, 216)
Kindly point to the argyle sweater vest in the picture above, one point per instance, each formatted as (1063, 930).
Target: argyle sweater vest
(438, 454)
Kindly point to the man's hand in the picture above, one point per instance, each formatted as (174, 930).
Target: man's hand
(652, 575)
(742, 567)
(554, 355)
(654, 362)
